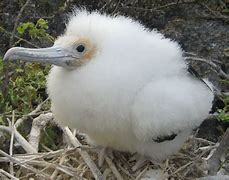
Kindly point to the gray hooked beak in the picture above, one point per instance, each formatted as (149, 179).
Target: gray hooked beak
(52, 55)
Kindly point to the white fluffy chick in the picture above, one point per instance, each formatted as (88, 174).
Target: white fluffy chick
(123, 85)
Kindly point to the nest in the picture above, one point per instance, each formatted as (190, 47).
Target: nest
(77, 160)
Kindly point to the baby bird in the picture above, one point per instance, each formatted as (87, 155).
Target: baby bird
(125, 86)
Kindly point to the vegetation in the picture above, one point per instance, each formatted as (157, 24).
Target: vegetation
(26, 87)
(35, 31)
(223, 114)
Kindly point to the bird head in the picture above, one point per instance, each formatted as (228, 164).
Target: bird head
(86, 36)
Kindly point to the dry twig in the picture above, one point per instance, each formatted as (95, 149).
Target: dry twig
(113, 168)
(17, 21)
(17, 37)
(20, 139)
(12, 143)
(14, 160)
(32, 113)
(213, 66)
(7, 174)
(218, 177)
(214, 161)
(95, 171)
(38, 124)
(55, 173)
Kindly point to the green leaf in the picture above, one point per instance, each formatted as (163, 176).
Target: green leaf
(223, 115)
(43, 24)
(21, 28)
(226, 10)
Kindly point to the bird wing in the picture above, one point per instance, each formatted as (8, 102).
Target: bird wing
(195, 74)
(217, 103)
(167, 106)
(160, 139)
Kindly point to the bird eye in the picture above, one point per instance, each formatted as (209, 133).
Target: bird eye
(80, 48)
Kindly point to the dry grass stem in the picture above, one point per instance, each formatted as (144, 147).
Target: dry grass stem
(8, 175)
(12, 143)
(214, 162)
(32, 113)
(97, 174)
(113, 168)
(213, 66)
(20, 139)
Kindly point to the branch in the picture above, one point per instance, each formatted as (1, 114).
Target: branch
(214, 161)
(74, 141)
(213, 66)
(12, 159)
(20, 139)
(38, 108)
(17, 37)
(12, 143)
(113, 168)
(8, 174)
(38, 124)
(218, 177)
(17, 21)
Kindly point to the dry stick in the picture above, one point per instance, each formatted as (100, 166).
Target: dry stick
(38, 124)
(204, 140)
(12, 143)
(47, 155)
(211, 64)
(67, 170)
(2, 176)
(141, 173)
(163, 6)
(102, 9)
(192, 54)
(214, 161)
(55, 173)
(17, 37)
(214, 13)
(217, 177)
(20, 139)
(106, 172)
(24, 165)
(114, 169)
(38, 108)
(9, 175)
(17, 21)
(189, 163)
(74, 141)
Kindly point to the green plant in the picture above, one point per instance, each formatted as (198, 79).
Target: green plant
(35, 31)
(224, 113)
(50, 137)
(25, 87)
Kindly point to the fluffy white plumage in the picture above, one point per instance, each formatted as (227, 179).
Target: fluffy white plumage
(131, 89)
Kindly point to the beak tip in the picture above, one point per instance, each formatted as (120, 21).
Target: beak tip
(6, 57)
(9, 55)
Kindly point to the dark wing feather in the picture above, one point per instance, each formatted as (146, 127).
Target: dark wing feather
(217, 101)
(170, 137)
(194, 73)
(160, 139)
